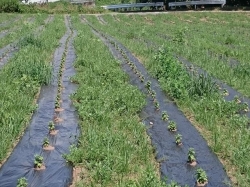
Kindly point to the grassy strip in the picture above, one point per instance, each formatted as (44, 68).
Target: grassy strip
(26, 28)
(20, 79)
(5, 17)
(114, 148)
(9, 21)
(219, 121)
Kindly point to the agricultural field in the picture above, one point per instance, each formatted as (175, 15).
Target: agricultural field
(124, 100)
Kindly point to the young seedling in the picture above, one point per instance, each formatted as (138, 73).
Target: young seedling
(148, 84)
(46, 145)
(191, 157)
(201, 177)
(172, 126)
(38, 162)
(225, 92)
(52, 129)
(57, 104)
(22, 182)
(46, 142)
(157, 105)
(164, 116)
(237, 100)
(217, 86)
(178, 139)
(153, 94)
(245, 107)
(141, 78)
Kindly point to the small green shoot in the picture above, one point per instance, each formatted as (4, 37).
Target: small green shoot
(51, 126)
(22, 182)
(153, 94)
(148, 84)
(237, 99)
(164, 116)
(46, 142)
(191, 155)
(225, 92)
(172, 126)
(157, 105)
(178, 139)
(201, 176)
(38, 162)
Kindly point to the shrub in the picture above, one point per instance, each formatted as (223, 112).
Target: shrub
(9, 6)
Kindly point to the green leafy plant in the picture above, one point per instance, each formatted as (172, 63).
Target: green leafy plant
(141, 78)
(237, 99)
(57, 104)
(245, 107)
(225, 92)
(148, 84)
(46, 142)
(178, 139)
(157, 105)
(201, 176)
(191, 155)
(51, 126)
(153, 94)
(22, 182)
(38, 162)
(164, 116)
(172, 126)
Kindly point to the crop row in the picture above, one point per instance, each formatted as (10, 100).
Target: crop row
(113, 148)
(217, 119)
(21, 79)
(47, 145)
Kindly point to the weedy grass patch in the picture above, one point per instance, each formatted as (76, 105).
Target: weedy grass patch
(26, 28)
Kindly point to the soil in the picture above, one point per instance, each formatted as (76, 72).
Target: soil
(201, 184)
(179, 144)
(59, 109)
(54, 132)
(173, 130)
(48, 148)
(41, 168)
(194, 163)
(58, 120)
